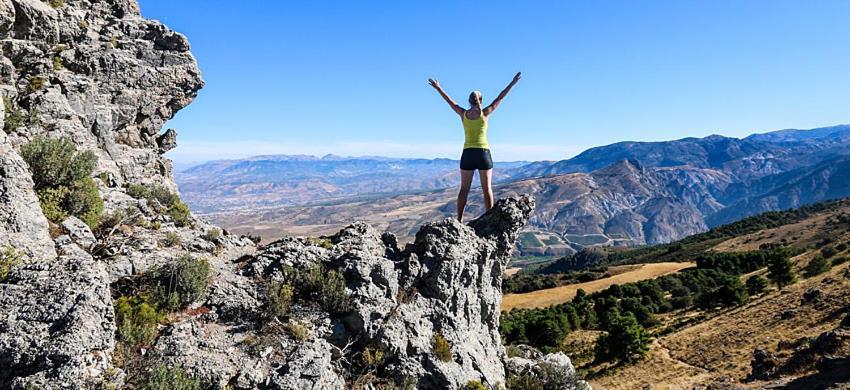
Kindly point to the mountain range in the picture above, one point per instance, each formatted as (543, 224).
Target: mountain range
(627, 193)
(287, 180)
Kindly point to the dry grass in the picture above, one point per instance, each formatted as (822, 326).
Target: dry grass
(722, 345)
(512, 271)
(561, 294)
(800, 234)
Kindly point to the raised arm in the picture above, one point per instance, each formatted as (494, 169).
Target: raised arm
(458, 109)
(492, 107)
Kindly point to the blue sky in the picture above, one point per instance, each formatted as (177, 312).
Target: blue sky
(349, 77)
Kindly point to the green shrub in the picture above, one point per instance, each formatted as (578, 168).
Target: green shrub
(297, 330)
(828, 252)
(166, 202)
(55, 162)
(327, 287)
(57, 63)
(212, 235)
(84, 201)
(36, 83)
(839, 260)
(84, 24)
(756, 284)
(279, 299)
(441, 347)
(817, 266)
(62, 178)
(321, 242)
(474, 385)
(182, 282)
(332, 293)
(171, 239)
(372, 357)
(14, 116)
(57, 3)
(136, 321)
(524, 381)
(51, 200)
(163, 377)
(9, 258)
(179, 212)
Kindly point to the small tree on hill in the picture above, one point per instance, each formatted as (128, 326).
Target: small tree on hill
(817, 266)
(626, 340)
(780, 269)
(756, 284)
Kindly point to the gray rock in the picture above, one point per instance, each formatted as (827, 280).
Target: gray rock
(446, 283)
(22, 225)
(554, 371)
(79, 233)
(57, 322)
(206, 351)
(167, 141)
(235, 298)
(309, 367)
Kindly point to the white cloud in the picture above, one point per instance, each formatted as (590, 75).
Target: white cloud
(199, 151)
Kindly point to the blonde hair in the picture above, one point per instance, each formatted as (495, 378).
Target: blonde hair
(472, 97)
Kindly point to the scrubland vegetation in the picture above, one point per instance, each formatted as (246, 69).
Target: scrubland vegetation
(63, 179)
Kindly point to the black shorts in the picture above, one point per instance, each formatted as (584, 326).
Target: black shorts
(476, 158)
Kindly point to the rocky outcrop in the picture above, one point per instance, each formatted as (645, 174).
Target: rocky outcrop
(98, 72)
(445, 285)
(56, 321)
(554, 369)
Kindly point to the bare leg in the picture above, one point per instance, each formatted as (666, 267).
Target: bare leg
(486, 176)
(465, 183)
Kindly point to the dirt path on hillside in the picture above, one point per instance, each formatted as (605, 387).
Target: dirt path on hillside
(561, 294)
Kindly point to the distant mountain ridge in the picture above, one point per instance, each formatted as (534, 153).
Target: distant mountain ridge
(286, 180)
(754, 156)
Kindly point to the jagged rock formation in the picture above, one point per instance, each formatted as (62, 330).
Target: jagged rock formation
(447, 284)
(98, 72)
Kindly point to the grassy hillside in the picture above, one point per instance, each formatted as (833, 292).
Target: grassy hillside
(701, 325)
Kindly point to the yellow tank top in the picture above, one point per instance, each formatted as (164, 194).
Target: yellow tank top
(475, 132)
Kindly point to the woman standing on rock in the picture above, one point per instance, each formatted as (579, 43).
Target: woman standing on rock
(476, 150)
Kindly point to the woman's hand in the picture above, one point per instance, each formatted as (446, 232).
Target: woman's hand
(434, 84)
(517, 77)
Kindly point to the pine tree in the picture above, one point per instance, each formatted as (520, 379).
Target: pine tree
(779, 269)
(626, 340)
(756, 284)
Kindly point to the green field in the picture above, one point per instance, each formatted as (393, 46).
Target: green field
(529, 240)
(593, 239)
(553, 240)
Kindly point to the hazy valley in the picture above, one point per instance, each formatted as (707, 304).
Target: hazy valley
(629, 193)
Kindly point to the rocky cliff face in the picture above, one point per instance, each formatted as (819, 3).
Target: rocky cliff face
(98, 72)
(364, 311)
